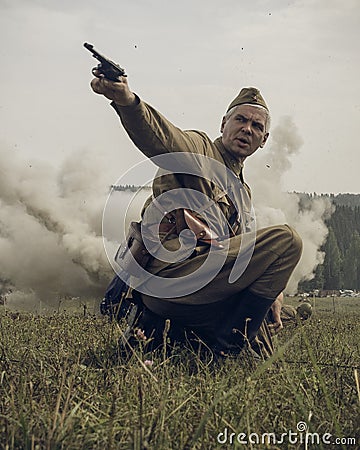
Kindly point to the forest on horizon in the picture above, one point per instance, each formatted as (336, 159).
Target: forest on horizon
(341, 266)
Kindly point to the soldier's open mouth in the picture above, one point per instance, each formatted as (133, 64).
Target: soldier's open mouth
(243, 141)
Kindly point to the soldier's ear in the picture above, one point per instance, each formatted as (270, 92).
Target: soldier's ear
(264, 140)
(222, 124)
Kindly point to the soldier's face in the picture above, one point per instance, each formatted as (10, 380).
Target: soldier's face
(244, 131)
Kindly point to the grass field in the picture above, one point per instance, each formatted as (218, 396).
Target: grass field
(63, 387)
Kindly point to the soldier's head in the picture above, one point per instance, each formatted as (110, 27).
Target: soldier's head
(245, 126)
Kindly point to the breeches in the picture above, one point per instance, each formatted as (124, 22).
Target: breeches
(276, 252)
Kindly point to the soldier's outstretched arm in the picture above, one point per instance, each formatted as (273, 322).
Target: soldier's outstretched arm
(150, 131)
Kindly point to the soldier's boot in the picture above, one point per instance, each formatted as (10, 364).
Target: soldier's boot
(241, 324)
(149, 330)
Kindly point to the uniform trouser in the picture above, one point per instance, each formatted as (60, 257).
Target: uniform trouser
(276, 252)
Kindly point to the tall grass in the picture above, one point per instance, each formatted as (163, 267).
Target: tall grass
(64, 385)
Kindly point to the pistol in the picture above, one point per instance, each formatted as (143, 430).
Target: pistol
(108, 68)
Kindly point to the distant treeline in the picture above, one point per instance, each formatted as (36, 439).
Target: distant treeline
(351, 200)
(128, 187)
(341, 267)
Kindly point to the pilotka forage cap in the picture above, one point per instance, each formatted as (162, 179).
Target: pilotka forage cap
(249, 95)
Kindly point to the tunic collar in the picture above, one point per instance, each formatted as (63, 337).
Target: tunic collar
(232, 163)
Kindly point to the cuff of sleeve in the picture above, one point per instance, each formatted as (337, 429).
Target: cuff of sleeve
(123, 109)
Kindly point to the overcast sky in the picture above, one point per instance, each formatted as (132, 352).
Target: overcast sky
(189, 59)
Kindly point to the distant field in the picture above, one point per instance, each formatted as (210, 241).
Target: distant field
(329, 304)
(63, 386)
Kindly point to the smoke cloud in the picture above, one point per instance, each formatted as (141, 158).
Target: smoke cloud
(274, 206)
(50, 230)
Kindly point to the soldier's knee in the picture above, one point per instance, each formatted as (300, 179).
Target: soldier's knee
(295, 241)
(288, 240)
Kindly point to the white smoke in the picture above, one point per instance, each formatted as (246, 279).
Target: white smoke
(274, 206)
(50, 229)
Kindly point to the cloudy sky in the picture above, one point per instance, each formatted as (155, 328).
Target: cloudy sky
(188, 59)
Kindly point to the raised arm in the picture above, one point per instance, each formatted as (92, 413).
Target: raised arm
(150, 131)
